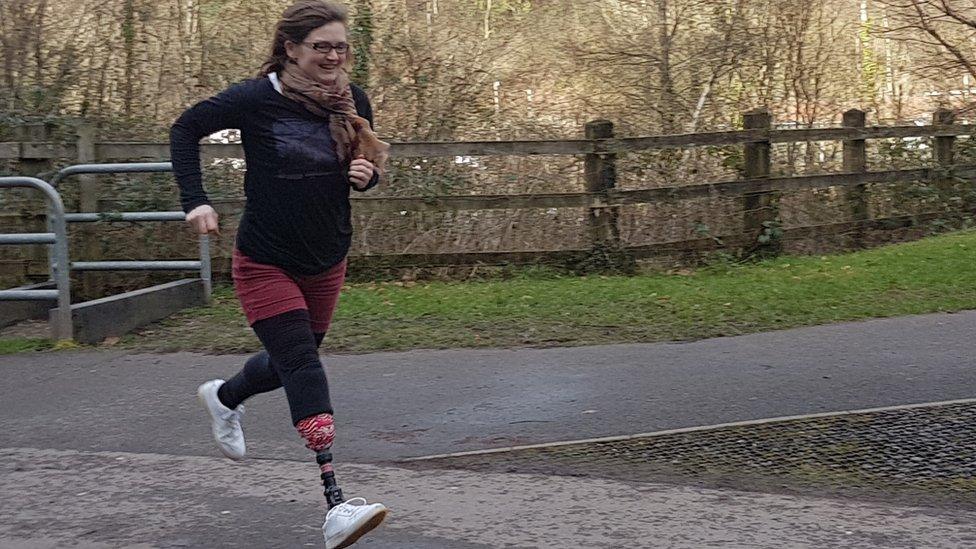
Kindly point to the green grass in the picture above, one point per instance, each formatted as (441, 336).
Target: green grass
(930, 275)
(20, 345)
(934, 274)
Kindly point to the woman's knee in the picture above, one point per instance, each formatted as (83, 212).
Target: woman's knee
(289, 339)
(318, 431)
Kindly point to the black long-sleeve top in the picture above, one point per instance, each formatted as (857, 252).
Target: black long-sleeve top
(297, 212)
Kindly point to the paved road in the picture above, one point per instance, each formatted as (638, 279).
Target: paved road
(109, 449)
(395, 405)
(99, 500)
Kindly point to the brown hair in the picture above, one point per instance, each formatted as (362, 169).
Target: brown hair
(295, 25)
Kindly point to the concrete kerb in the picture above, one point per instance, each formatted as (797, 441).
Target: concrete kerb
(702, 428)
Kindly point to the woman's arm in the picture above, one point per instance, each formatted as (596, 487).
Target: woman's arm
(225, 110)
(365, 110)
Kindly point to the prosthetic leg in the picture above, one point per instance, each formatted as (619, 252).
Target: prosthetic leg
(333, 494)
(319, 433)
(346, 521)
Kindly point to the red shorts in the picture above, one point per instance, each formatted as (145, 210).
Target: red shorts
(266, 291)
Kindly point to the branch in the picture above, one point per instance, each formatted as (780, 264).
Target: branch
(953, 13)
(942, 41)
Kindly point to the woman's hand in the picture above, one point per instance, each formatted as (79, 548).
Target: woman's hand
(203, 220)
(360, 172)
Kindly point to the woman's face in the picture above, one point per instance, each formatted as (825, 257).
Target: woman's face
(322, 53)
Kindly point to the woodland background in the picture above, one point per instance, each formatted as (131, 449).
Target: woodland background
(480, 69)
(462, 70)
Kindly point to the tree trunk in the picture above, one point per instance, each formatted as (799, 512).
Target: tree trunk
(128, 49)
(488, 20)
(665, 81)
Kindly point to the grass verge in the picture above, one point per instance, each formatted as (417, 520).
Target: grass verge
(538, 309)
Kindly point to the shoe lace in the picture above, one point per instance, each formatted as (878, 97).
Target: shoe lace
(345, 508)
(233, 415)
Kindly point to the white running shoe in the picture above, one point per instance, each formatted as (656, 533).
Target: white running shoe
(225, 423)
(347, 522)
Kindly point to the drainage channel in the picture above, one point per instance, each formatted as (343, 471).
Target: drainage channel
(922, 455)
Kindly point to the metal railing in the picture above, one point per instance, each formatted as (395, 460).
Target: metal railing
(203, 265)
(57, 237)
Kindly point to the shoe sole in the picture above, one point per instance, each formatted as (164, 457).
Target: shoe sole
(203, 402)
(364, 529)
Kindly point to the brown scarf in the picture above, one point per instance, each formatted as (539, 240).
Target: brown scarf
(351, 133)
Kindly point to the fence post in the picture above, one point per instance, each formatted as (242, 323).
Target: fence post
(759, 207)
(601, 176)
(944, 156)
(30, 135)
(88, 195)
(856, 161)
(88, 190)
(30, 165)
(600, 170)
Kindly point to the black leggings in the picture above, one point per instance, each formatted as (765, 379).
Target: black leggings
(290, 360)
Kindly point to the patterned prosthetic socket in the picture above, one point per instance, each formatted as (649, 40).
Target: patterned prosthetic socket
(319, 432)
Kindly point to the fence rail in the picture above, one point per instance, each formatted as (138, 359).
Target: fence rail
(757, 190)
(131, 150)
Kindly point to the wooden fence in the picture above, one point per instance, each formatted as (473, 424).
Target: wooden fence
(757, 190)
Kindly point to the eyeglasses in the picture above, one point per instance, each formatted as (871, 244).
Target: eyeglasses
(326, 47)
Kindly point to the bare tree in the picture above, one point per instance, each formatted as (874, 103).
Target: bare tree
(443, 69)
(944, 31)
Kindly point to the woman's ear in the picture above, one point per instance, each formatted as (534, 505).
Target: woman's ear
(290, 49)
